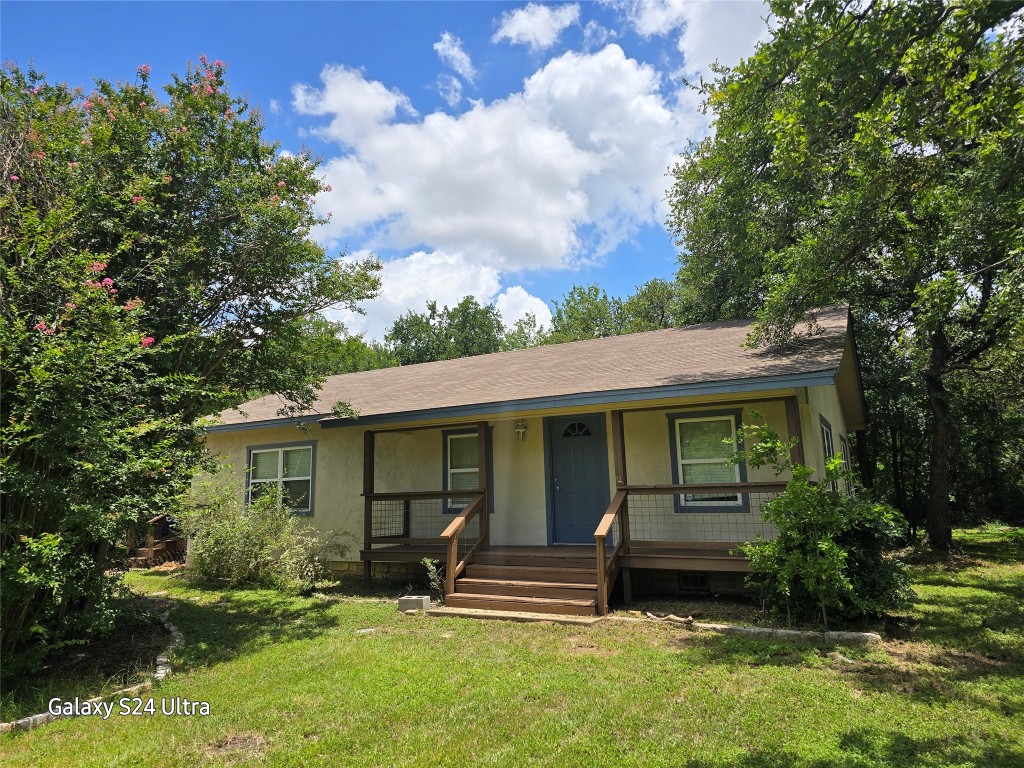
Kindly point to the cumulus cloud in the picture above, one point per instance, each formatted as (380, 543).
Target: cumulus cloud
(409, 282)
(708, 31)
(537, 26)
(450, 88)
(545, 178)
(357, 105)
(275, 107)
(449, 50)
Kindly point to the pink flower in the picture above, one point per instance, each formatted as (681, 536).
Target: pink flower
(208, 90)
(275, 198)
(87, 104)
(73, 164)
(145, 69)
(280, 184)
(106, 282)
(70, 305)
(134, 304)
(37, 89)
(136, 199)
(202, 57)
(328, 188)
(209, 74)
(329, 214)
(98, 266)
(147, 342)
(15, 178)
(110, 114)
(218, 64)
(40, 326)
(39, 155)
(164, 111)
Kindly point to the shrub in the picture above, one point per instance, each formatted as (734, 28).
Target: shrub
(262, 543)
(829, 557)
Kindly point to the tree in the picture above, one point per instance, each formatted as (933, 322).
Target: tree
(464, 330)
(157, 268)
(585, 312)
(869, 153)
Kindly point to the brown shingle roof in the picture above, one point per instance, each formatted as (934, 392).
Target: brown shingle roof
(672, 358)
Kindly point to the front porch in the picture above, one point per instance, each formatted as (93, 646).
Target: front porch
(659, 527)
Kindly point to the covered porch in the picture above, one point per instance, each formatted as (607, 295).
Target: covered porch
(638, 526)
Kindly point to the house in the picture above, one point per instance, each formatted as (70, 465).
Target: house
(541, 477)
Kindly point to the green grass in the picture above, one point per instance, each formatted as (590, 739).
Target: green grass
(295, 682)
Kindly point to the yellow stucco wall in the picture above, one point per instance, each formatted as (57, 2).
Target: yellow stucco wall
(413, 460)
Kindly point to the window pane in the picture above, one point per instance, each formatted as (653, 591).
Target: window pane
(264, 465)
(704, 439)
(464, 480)
(259, 489)
(708, 473)
(297, 493)
(462, 452)
(298, 462)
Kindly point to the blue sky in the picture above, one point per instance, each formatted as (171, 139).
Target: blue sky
(504, 150)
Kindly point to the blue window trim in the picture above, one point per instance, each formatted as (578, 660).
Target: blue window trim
(277, 446)
(737, 416)
(445, 434)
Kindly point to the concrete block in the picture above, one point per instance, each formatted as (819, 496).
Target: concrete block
(414, 603)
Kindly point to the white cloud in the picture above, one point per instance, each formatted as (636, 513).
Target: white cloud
(409, 282)
(545, 178)
(515, 302)
(537, 26)
(708, 31)
(275, 107)
(450, 88)
(595, 36)
(449, 50)
(357, 105)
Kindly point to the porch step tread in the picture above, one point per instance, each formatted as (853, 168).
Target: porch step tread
(527, 583)
(513, 587)
(571, 606)
(532, 573)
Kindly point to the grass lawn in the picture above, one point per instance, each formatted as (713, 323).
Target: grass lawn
(298, 682)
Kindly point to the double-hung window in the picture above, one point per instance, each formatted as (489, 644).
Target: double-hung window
(828, 446)
(703, 447)
(287, 469)
(462, 466)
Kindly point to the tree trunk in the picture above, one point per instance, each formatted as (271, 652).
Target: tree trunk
(937, 520)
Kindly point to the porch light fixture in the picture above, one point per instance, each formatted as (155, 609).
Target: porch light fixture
(520, 430)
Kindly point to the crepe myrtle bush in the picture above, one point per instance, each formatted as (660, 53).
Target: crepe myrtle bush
(157, 268)
(830, 557)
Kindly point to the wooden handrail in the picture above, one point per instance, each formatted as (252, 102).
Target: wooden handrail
(606, 568)
(772, 487)
(451, 535)
(423, 495)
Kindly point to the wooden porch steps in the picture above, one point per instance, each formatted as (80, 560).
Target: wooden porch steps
(552, 580)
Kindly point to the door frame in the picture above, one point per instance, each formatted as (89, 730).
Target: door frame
(549, 487)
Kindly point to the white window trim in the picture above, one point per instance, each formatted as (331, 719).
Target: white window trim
(828, 445)
(681, 462)
(280, 479)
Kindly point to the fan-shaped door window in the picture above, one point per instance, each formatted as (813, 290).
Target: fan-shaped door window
(577, 429)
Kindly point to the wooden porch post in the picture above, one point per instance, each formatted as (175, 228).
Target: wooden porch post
(796, 455)
(482, 447)
(619, 455)
(367, 502)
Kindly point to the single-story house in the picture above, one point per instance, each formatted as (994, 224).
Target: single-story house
(541, 477)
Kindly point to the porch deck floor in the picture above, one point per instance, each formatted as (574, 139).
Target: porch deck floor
(674, 556)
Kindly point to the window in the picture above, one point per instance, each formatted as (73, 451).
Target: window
(827, 446)
(702, 447)
(287, 468)
(844, 450)
(462, 466)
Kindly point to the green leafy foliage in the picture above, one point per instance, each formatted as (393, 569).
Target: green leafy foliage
(157, 268)
(260, 543)
(870, 154)
(829, 557)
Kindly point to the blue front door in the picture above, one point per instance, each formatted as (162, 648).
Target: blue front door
(579, 477)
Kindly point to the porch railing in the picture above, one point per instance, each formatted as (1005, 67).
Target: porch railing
(677, 514)
(456, 560)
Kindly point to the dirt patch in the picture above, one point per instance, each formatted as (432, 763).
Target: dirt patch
(238, 746)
